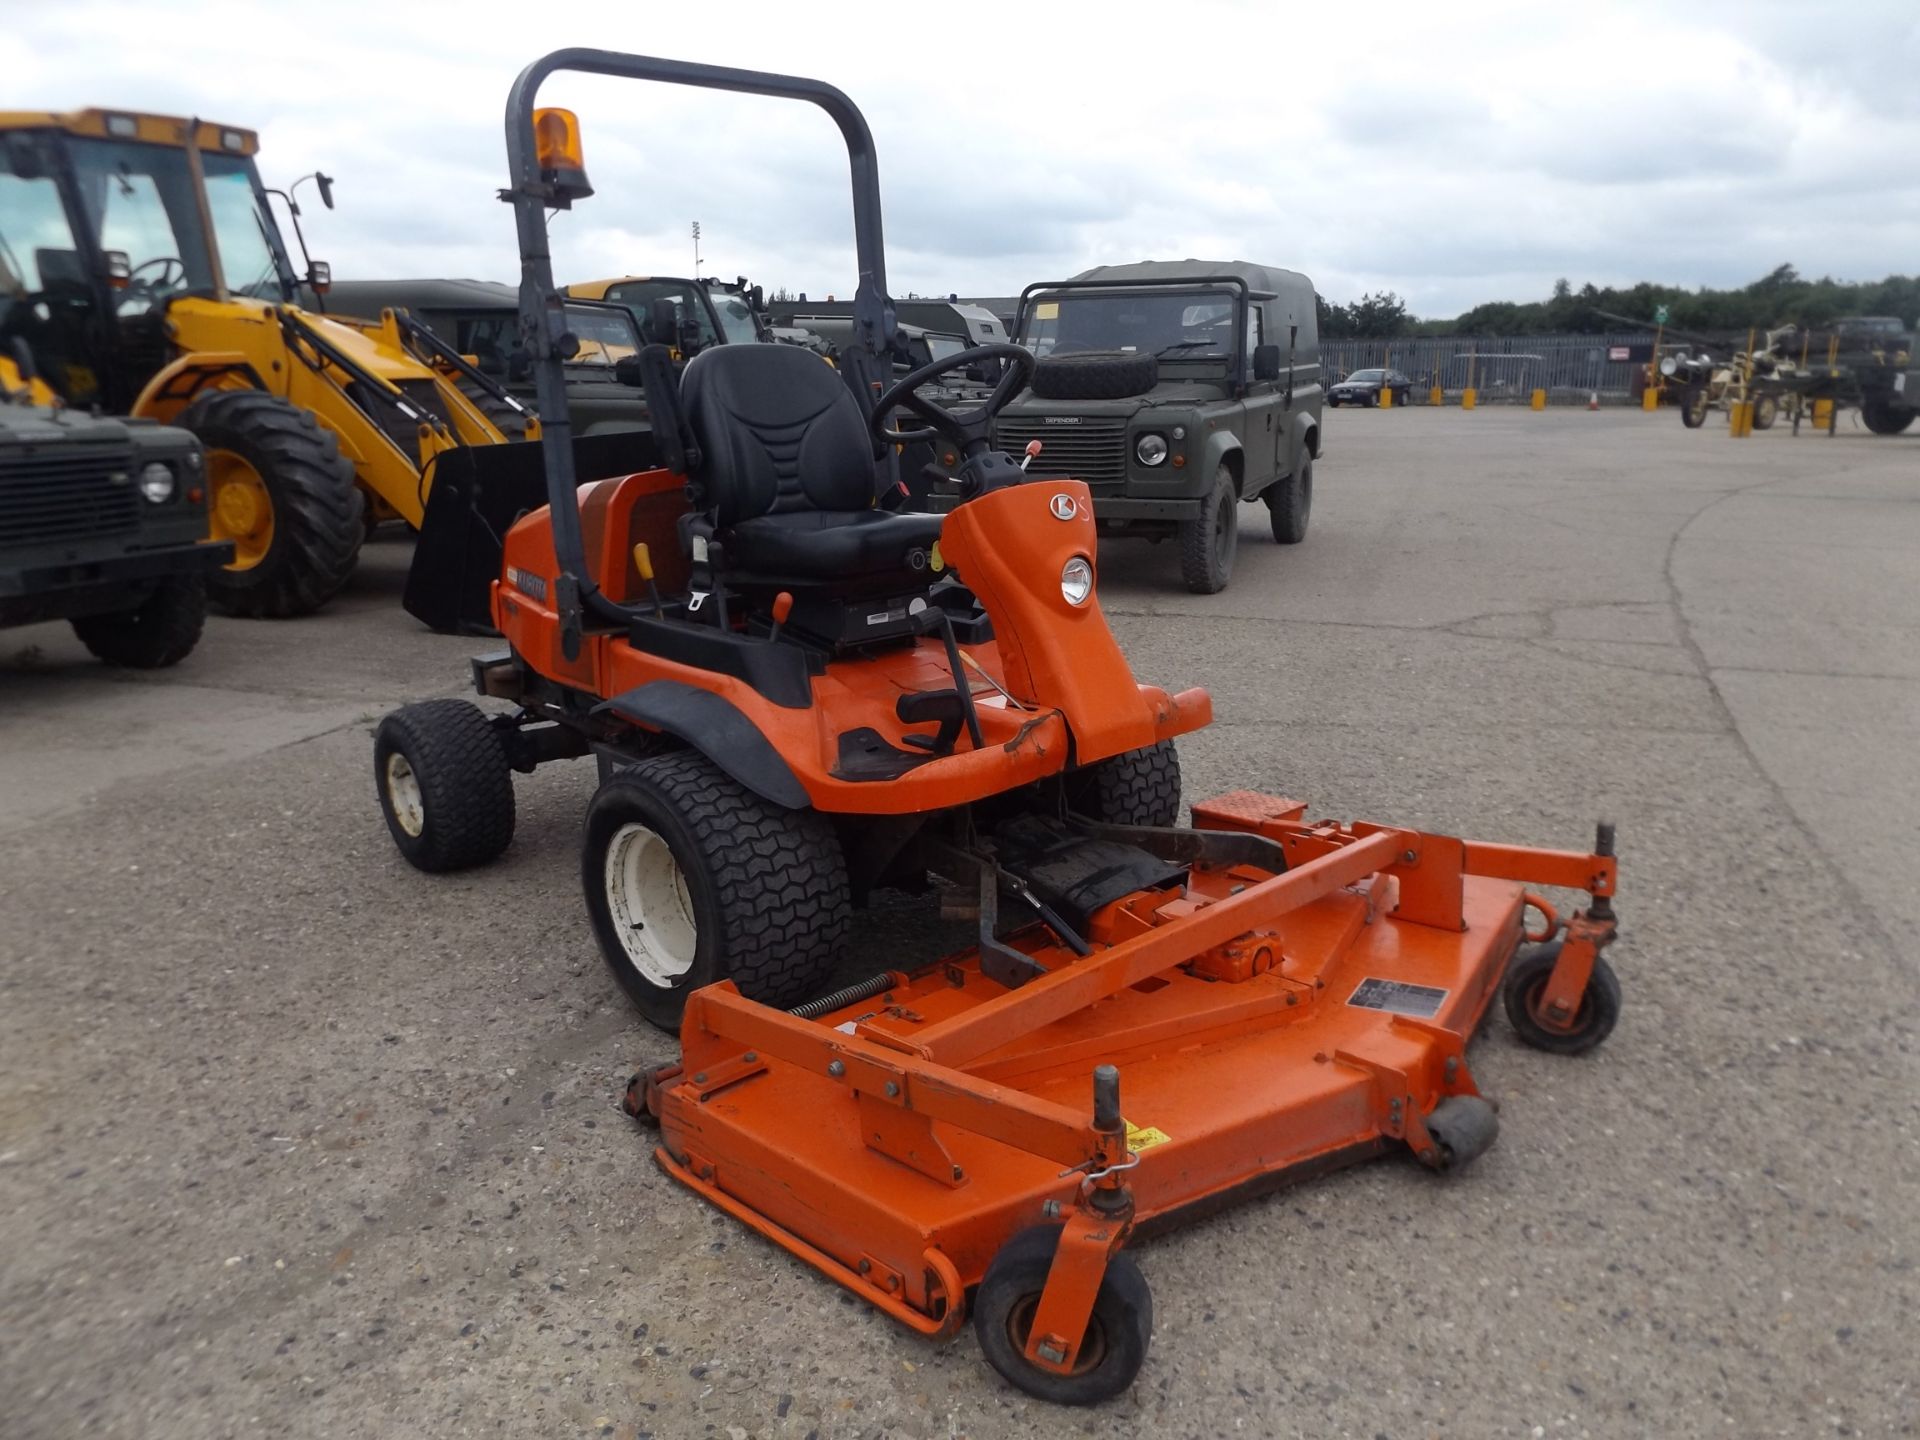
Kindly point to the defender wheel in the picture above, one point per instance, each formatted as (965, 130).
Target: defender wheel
(1693, 407)
(1883, 417)
(1118, 1331)
(444, 784)
(691, 878)
(508, 421)
(1141, 787)
(160, 631)
(1289, 503)
(1463, 1128)
(1526, 982)
(281, 491)
(1206, 544)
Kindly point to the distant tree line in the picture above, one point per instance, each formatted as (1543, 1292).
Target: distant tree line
(1780, 297)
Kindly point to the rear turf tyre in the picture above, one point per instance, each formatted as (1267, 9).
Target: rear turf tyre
(508, 421)
(1526, 983)
(1290, 503)
(1141, 787)
(691, 878)
(280, 490)
(160, 631)
(444, 784)
(1118, 1331)
(1207, 542)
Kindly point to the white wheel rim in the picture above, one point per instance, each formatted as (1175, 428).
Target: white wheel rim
(403, 794)
(651, 909)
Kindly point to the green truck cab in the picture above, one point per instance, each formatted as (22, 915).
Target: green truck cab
(1175, 390)
(103, 523)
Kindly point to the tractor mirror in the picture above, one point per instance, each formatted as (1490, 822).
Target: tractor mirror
(626, 370)
(663, 322)
(325, 182)
(1266, 362)
(117, 269)
(758, 296)
(319, 276)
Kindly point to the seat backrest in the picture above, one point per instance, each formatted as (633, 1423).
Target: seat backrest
(778, 430)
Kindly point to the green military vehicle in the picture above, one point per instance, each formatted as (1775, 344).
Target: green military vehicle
(1175, 390)
(481, 319)
(103, 523)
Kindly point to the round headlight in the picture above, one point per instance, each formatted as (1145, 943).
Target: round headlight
(1151, 449)
(1076, 579)
(1669, 365)
(156, 481)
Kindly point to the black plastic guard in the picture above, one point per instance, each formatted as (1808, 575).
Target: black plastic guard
(715, 727)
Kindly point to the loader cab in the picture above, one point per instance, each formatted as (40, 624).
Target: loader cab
(108, 218)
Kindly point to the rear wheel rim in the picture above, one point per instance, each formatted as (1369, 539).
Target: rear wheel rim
(652, 909)
(404, 797)
(242, 509)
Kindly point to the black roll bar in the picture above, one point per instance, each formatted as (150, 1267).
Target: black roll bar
(542, 308)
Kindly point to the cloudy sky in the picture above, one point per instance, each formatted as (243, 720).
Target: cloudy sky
(1454, 154)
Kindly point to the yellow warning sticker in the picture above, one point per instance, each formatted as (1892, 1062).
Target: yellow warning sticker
(1145, 1137)
(1047, 310)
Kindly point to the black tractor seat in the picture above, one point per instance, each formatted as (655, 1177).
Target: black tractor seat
(786, 472)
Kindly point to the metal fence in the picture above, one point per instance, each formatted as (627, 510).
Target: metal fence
(1570, 368)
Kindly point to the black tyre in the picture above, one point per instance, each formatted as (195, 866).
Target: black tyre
(1766, 410)
(1290, 503)
(445, 787)
(1373, 399)
(1118, 1331)
(1693, 407)
(1883, 417)
(692, 878)
(1141, 787)
(1207, 543)
(161, 631)
(506, 419)
(1526, 983)
(283, 493)
(1095, 375)
(1463, 1128)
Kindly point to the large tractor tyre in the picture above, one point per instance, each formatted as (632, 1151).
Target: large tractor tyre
(1095, 375)
(1207, 542)
(160, 631)
(1883, 417)
(1766, 410)
(508, 421)
(1118, 1332)
(1289, 503)
(445, 786)
(691, 878)
(1693, 407)
(281, 491)
(1141, 787)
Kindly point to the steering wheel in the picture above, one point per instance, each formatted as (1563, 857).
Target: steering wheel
(969, 429)
(172, 271)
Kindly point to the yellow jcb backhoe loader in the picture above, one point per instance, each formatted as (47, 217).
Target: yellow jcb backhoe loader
(141, 264)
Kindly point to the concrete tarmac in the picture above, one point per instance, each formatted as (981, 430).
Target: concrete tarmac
(296, 1141)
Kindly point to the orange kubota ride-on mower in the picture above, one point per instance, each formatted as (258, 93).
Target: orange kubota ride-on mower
(797, 695)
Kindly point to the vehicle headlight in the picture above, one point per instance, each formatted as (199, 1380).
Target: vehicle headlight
(1076, 577)
(1151, 449)
(1669, 365)
(156, 481)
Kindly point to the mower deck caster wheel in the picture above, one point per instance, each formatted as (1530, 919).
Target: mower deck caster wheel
(1463, 1128)
(1117, 1335)
(444, 783)
(1526, 983)
(634, 1105)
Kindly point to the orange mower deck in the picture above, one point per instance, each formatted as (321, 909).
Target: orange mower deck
(1268, 1024)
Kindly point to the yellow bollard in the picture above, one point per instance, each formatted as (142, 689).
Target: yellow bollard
(1740, 419)
(1650, 398)
(1467, 397)
(1436, 396)
(1539, 401)
(1822, 414)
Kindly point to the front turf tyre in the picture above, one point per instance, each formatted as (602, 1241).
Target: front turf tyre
(444, 783)
(1884, 417)
(280, 490)
(505, 418)
(1207, 542)
(1140, 787)
(1118, 1331)
(1526, 983)
(1693, 407)
(691, 878)
(1290, 503)
(160, 631)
